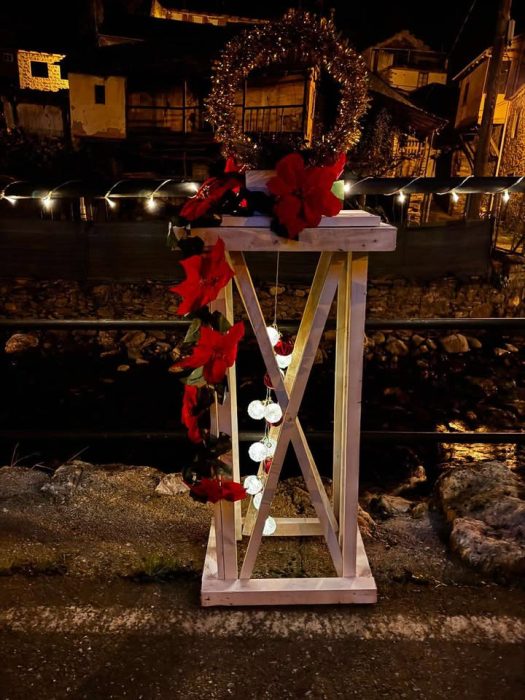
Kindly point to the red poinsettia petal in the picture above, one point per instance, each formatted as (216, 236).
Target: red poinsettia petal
(330, 204)
(291, 170)
(279, 187)
(233, 491)
(207, 490)
(338, 166)
(312, 213)
(287, 211)
(188, 414)
(200, 356)
(215, 369)
(234, 335)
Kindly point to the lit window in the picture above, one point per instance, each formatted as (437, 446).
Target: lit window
(100, 94)
(39, 69)
(422, 79)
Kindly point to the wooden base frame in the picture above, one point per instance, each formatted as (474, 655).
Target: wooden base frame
(216, 591)
(341, 271)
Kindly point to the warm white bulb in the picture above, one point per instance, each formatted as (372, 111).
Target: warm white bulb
(258, 451)
(273, 413)
(283, 360)
(506, 196)
(347, 187)
(252, 485)
(151, 204)
(257, 500)
(47, 202)
(455, 197)
(273, 334)
(271, 444)
(270, 526)
(256, 410)
(112, 204)
(401, 197)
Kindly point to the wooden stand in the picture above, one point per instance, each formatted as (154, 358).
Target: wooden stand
(343, 245)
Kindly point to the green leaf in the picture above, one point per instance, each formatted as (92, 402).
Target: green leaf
(192, 335)
(220, 323)
(196, 378)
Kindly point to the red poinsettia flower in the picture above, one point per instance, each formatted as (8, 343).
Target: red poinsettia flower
(190, 415)
(210, 193)
(283, 347)
(303, 193)
(215, 352)
(206, 275)
(214, 490)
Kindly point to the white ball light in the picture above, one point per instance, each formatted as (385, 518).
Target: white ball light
(252, 485)
(283, 360)
(270, 526)
(256, 409)
(257, 500)
(258, 451)
(271, 444)
(273, 334)
(273, 413)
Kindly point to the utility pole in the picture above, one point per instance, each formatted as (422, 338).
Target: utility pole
(481, 159)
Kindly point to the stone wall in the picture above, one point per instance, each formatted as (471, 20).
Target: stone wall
(389, 299)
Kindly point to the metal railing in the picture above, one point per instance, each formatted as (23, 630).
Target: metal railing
(389, 436)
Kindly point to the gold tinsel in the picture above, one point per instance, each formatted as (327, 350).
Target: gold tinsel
(299, 37)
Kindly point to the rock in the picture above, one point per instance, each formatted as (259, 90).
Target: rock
(123, 368)
(474, 343)
(388, 506)
(511, 348)
(20, 481)
(455, 343)
(487, 386)
(276, 290)
(378, 338)
(172, 485)
(431, 344)
(419, 510)
(417, 340)
(485, 507)
(134, 339)
(300, 293)
(500, 352)
(66, 480)
(397, 347)
(21, 342)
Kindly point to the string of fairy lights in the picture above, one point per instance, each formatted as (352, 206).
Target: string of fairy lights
(263, 450)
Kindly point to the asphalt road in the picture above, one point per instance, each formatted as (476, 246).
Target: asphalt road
(64, 638)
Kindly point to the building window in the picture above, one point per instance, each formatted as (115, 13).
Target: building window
(7, 57)
(39, 69)
(100, 94)
(465, 94)
(422, 79)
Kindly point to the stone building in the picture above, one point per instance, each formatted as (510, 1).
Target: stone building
(508, 135)
(33, 91)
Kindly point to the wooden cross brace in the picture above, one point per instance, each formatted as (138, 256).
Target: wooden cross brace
(289, 392)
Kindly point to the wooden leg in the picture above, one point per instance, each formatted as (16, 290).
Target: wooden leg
(227, 516)
(342, 332)
(354, 370)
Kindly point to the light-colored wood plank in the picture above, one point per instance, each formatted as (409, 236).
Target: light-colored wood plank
(340, 378)
(355, 347)
(345, 218)
(297, 527)
(291, 591)
(359, 238)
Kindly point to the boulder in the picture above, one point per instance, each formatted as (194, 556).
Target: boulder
(171, 485)
(485, 507)
(397, 347)
(20, 342)
(455, 343)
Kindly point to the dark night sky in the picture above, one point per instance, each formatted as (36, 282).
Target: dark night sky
(365, 21)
